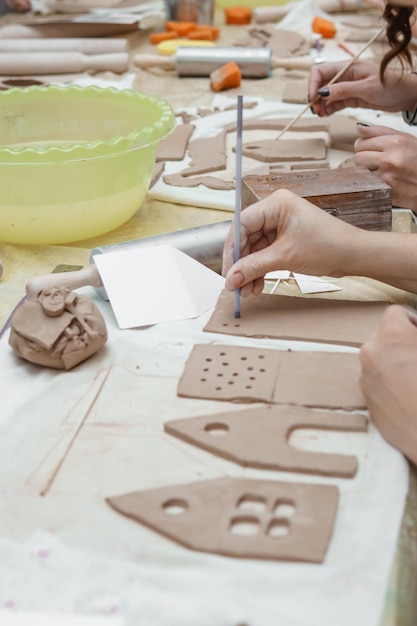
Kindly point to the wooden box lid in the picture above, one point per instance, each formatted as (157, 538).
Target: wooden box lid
(354, 194)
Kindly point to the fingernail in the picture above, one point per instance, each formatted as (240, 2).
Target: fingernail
(323, 92)
(362, 124)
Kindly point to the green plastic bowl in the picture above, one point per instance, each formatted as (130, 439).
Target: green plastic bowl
(75, 162)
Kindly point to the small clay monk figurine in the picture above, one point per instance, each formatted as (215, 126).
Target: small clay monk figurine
(59, 329)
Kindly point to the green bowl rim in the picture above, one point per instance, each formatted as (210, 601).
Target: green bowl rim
(133, 141)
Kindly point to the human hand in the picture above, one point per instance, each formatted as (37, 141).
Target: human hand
(360, 86)
(392, 156)
(388, 380)
(284, 231)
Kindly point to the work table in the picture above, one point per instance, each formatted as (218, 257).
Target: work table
(155, 217)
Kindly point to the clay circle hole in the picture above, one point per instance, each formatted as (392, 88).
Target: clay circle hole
(278, 528)
(217, 429)
(246, 526)
(175, 506)
(253, 503)
(284, 508)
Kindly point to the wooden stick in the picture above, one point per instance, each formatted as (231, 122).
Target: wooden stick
(100, 380)
(333, 80)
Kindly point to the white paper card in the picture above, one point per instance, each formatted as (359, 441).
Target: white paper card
(156, 284)
(312, 284)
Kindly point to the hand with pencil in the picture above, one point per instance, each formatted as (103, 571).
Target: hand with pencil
(360, 86)
(286, 232)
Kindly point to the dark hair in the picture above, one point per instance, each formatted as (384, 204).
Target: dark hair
(398, 35)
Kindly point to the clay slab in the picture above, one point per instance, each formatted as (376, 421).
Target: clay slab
(260, 438)
(295, 91)
(174, 147)
(207, 154)
(288, 521)
(244, 374)
(342, 322)
(285, 150)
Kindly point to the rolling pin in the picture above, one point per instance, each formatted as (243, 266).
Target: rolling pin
(202, 243)
(21, 64)
(87, 45)
(253, 62)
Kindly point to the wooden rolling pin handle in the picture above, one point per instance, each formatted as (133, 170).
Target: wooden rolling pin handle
(271, 13)
(292, 63)
(71, 280)
(23, 64)
(145, 61)
(85, 45)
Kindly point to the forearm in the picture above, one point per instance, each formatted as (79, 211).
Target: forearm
(388, 257)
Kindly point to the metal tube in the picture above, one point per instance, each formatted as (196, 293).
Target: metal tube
(253, 62)
(202, 243)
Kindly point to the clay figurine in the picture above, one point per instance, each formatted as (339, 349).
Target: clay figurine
(59, 329)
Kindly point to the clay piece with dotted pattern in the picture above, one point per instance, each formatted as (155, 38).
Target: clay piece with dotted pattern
(245, 374)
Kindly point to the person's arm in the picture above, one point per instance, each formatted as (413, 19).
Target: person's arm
(360, 86)
(388, 379)
(284, 231)
(392, 155)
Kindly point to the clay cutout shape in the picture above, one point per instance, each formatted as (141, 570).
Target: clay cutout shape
(208, 154)
(278, 123)
(284, 43)
(350, 162)
(344, 322)
(289, 521)
(320, 379)
(343, 132)
(308, 165)
(156, 173)
(58, 329)
(259, 438)
(212, 182)
(174, 147)
(269, 150)
(245, 374)
(287, 166)
(295, 91)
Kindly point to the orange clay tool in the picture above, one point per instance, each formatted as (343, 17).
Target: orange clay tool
(156, 38)
(206, 31)
(226, 77)
(238, 15)
(325, 28)
(182, 28)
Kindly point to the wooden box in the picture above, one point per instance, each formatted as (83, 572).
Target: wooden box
(353, 194)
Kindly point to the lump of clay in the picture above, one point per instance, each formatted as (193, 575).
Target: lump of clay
(59, 329)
